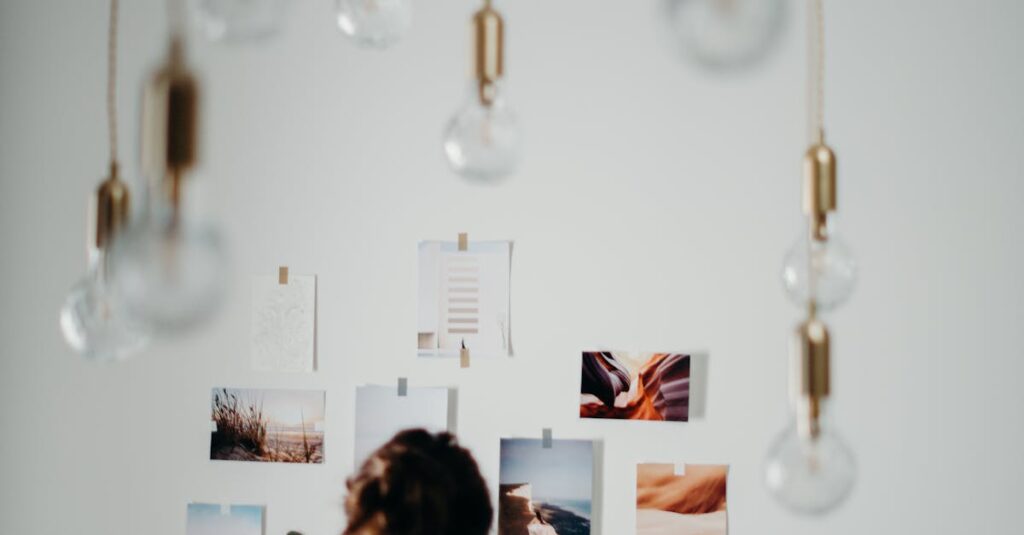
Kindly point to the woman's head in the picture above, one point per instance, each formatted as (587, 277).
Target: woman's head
(418, 484)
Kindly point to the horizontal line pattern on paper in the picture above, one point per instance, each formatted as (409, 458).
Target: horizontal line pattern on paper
(463, 286)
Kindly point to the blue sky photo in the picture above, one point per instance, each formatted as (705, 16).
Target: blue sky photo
(209, 519)
(563, 472)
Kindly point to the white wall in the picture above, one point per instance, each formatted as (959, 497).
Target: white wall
(651, 213)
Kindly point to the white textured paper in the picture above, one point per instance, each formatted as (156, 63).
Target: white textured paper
(283, 323)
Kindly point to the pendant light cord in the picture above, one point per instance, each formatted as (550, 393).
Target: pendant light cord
(816, 71)
(176, 18)
(112, 84)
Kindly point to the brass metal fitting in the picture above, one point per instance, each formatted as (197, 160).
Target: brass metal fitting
(112, 208)
(489, 58)
(819, 188)
(170, 118)
(809, 366)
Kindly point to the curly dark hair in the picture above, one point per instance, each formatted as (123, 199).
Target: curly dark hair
(419, 484)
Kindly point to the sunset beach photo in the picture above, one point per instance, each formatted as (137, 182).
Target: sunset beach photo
(282, 426)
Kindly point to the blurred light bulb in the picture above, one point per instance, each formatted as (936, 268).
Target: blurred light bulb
(241, 20)
(724, 33)
(170, 263)
(482, 142)
(170, 269)
(824, 269)
(93, 320)
(810, 475)
(374, 23)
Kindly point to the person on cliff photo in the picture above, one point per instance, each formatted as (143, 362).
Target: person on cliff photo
(418, 484)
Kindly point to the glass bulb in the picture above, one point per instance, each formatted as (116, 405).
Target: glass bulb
(724, 33)
(483, 142)
(94, 321)
(170, 268)
(825, 269)
(374, 23)
(241, 20)
(810, 476)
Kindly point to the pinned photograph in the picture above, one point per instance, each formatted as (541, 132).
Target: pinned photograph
(640, 386)
(545, 490)
(464, 299)
(381, 413)
(689, 504)
(283, 323)
(213, 519)
(272, 426)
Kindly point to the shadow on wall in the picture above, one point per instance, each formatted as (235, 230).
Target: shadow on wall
(698, 384)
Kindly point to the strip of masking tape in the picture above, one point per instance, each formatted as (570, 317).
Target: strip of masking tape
(403, 386)
(225, 509)
(463, 241)
(547, 438)
(464, 357)
(680, 469)
(282, 275)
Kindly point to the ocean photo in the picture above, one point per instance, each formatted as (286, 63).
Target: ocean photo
(545, 491)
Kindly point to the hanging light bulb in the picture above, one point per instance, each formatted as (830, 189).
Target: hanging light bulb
(819, 255)
(724, 33)
(482, 141)
(374, 23)
(92, 319)
(241, 20)
(809, 468)
(171, 263)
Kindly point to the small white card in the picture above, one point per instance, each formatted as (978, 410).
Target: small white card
(284, 324)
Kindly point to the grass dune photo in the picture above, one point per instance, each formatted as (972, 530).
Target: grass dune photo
(283, 426)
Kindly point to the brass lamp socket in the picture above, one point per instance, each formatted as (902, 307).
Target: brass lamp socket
(809, 381)
(819, 188)
(112, 208)
(170, 118)
(489, 57)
